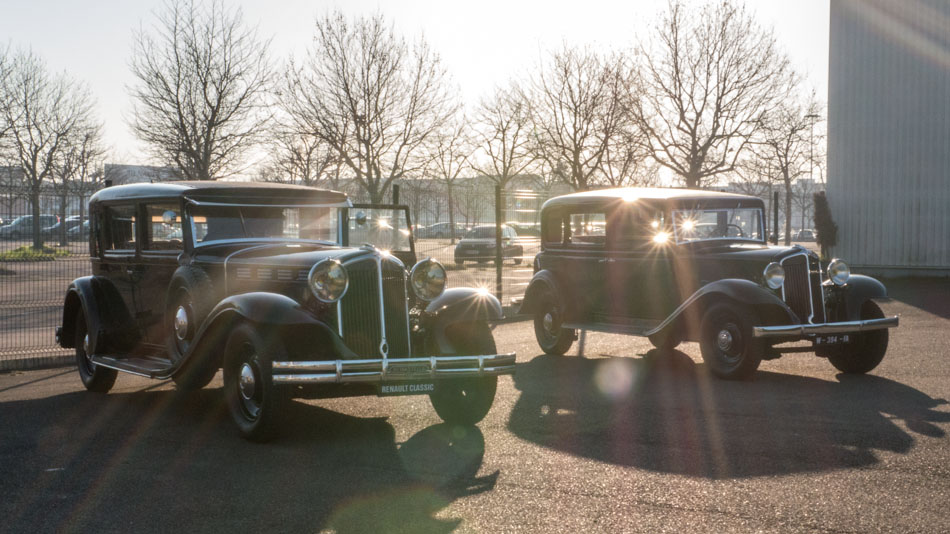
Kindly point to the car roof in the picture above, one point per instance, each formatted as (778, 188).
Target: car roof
(219, 190)
(602, 197)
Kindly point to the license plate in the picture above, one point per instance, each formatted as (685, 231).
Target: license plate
(472, 252)
(833, 339)
(414, 388)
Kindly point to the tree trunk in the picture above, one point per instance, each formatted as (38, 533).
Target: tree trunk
(788, 212)
(448, 187)
(35, 200)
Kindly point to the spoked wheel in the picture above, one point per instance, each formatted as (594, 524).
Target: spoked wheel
(254, 402)
(94, 377)
(866, 349)
(727, 344)
(552, 338)
(466, 401)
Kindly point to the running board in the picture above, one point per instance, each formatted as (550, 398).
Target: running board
(147, 367)
(636, 328)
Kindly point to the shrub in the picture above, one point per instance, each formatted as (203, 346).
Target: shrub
(28, 253)
(825, 225)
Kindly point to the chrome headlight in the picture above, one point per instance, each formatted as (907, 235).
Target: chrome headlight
(774, 275)
(427, 279)
(839, 272)
(328, 280)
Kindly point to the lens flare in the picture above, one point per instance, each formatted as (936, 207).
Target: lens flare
(661, 238)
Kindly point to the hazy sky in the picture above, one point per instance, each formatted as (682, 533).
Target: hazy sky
(483, 42)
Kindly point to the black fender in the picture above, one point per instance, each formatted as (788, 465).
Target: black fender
(686, 318)
(859, 289)
(459, 304)
(542, 281)
(304, 335)
(108, 322)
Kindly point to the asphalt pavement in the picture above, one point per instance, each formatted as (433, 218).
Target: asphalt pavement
(609, 438)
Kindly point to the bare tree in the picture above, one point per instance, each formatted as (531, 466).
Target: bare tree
(783, 140)
(201, 81)
(706, 77)
(627, 161)
(577, 110)
(370, 96)
(449, 154)
(301, 158)
(42, 113)
(504, 137)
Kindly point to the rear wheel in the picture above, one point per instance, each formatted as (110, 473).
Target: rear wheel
(94, 377)
(255, 403)
(466, 401)
(552, 337)
(866, 349)
(726, 342)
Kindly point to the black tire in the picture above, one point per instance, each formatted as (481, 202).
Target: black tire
(466, 401)
(552, 338)
(94, 377)
(666, 340)
(190, 292)
(726, 341)
(866, 349)
(460, 263)
(196, 373)
(255, 403)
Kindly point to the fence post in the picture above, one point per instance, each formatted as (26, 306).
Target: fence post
(498, 250)
(775, 217)
(395, 193)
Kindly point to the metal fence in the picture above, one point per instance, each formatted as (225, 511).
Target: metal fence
(32, 289)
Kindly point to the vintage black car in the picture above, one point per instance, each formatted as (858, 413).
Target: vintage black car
(683, 265)
(262, 281)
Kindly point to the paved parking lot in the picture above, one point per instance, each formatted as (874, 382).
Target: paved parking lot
(604, 439)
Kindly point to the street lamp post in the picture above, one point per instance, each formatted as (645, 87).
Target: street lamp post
(811, 159)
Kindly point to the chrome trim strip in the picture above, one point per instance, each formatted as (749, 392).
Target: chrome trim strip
(380, 370)
(383, 344)
(844, 327)
(339, 317)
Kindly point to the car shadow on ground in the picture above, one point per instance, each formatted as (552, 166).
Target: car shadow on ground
(666, 414)
(164, 461)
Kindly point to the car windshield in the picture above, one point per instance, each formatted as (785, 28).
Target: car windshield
(704, 224)
(215, 224)
(482, 232)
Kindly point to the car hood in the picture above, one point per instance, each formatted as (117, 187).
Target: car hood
(751, 252)
(291, 256)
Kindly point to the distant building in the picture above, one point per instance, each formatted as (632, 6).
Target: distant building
(888, 132)
(135, 174)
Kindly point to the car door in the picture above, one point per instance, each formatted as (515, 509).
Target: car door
(584, 263)
(119, 243)
(161, 246)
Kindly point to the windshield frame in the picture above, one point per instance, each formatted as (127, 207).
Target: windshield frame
(674, 222)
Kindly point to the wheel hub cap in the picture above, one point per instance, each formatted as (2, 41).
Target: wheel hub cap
(181, 323)
(246, 382)
(549, 322)
(724, 340)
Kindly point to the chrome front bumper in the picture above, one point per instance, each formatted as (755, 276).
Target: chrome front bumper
(392, 370)
(845, 327)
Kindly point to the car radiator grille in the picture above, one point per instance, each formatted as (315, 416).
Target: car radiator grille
(802, 290)
(360, 309)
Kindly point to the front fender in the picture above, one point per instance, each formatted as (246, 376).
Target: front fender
(459, 304)
(107, 318)
(301, 331)
(770, 308)
(859, 289)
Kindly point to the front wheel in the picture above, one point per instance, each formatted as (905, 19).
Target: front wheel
(726, 342)
(866, 349)
(552, 337)
(256, 404)
(94, 377)
(466, 401)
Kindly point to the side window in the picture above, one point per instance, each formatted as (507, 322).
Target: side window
(164, 227)
(635, 227)
(119, 229)
(553, 229)
(587, 229)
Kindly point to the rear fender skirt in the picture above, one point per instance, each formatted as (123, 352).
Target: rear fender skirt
(770, 308)
(105, 312)
(459, 304)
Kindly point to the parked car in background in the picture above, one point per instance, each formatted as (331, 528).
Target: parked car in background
(22, 227)
(79, 232)
(278, 286)
(440, 230)
(53, 232)
(479, 245)
(526, 230)
(681, 265)
(806, 235)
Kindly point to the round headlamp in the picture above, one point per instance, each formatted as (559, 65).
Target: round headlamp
(839, 272)
(427, 279)
(328, 280)
(774, 275)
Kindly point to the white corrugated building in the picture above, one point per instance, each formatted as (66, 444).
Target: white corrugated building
(889, 135)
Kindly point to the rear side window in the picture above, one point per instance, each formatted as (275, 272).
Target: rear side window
(164, 227)
(119, 227)
(587, 229)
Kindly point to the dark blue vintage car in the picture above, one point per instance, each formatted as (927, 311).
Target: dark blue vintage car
(681, 265)
(293, 291)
